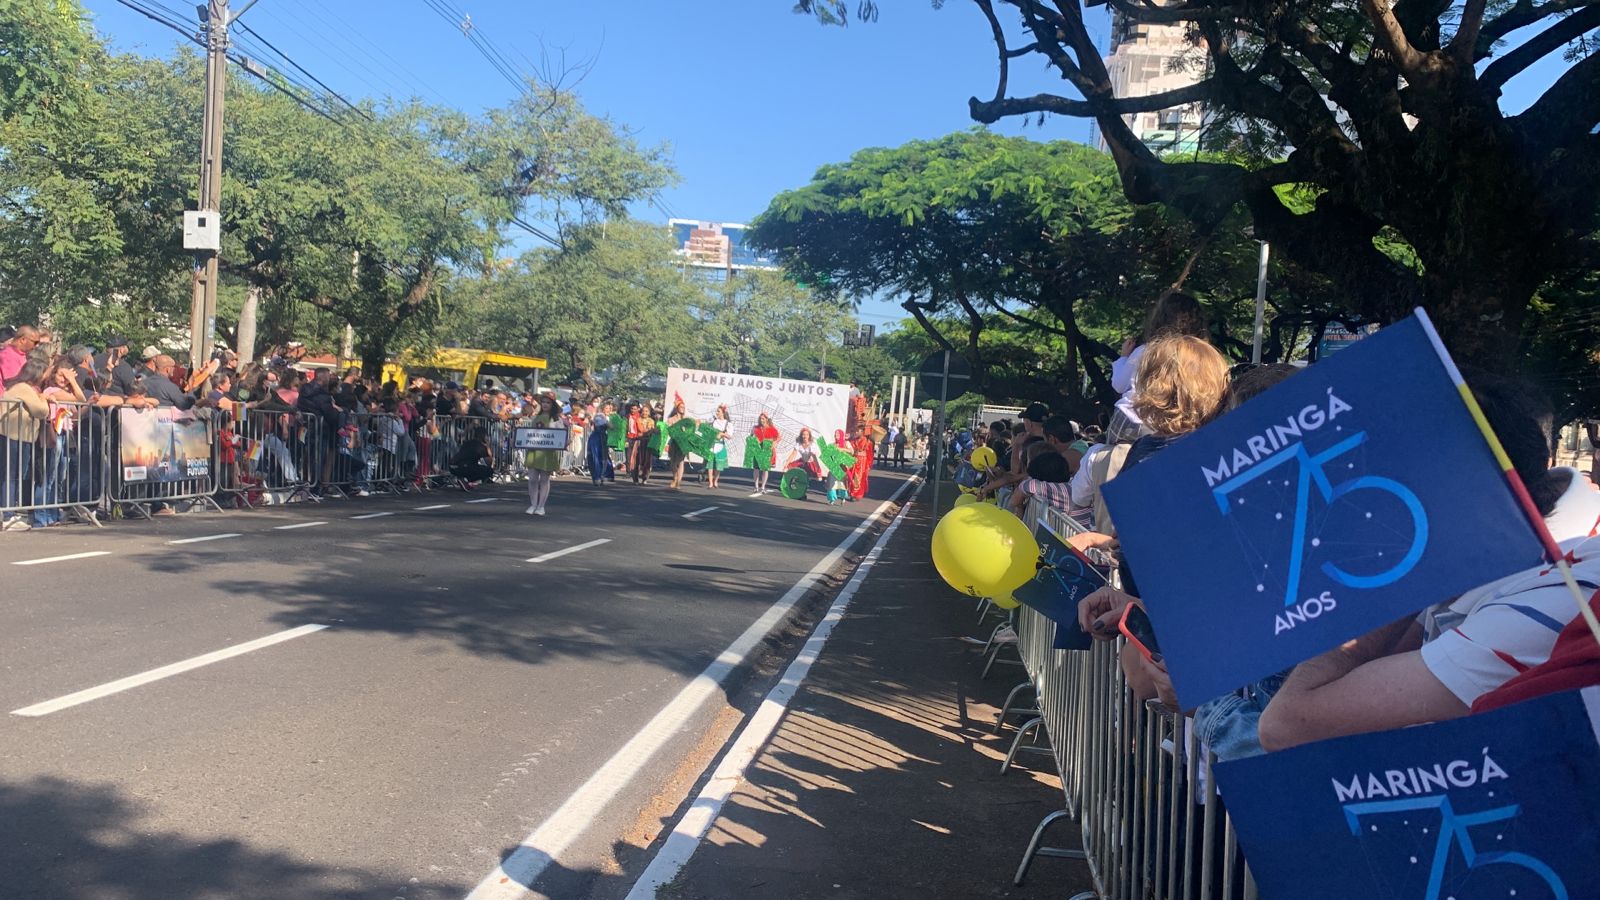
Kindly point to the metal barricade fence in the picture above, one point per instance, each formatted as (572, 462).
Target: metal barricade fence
(373, 452)
(162, 456)
(1133, 776)
(63, 469)
(269, 457)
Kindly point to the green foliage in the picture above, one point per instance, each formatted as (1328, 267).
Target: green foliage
(1022, 255)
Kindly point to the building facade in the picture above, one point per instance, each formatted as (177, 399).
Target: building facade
(1147, 59)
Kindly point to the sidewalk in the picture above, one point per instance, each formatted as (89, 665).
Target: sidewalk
(882, 781)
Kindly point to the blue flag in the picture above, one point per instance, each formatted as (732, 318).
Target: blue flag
(1503, 804)
(1063, 579)
(1357, 491)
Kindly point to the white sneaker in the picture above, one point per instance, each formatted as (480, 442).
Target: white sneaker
(539, 511)
(532, 511)
(16, 524)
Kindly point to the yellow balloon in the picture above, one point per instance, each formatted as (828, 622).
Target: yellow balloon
(984, 551)
(983, 459)
(1006, 602)
(965, 499)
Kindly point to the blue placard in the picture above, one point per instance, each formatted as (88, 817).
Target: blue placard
(1500, 805)
(1063, 579)
(1355, 492)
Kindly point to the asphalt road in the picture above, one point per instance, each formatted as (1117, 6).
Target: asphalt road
(458, 695)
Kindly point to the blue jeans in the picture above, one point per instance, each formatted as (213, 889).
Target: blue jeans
(16, 473)
(1228, 724)
(52, 485)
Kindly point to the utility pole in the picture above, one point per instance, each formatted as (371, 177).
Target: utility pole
(214, 22)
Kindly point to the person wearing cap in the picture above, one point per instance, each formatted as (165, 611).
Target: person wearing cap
(1016, 468)
(15, 353)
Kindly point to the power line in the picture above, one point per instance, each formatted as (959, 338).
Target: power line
(414, 82)
(302, 69)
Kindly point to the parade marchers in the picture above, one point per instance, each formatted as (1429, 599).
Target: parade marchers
(57, 406)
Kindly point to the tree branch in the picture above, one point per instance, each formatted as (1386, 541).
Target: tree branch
(1392, 37)
(1000, 46)
(1466, 37)
(1497, 73)
(994, 110)
(915, 308)
(1521, 15)
(1569, 109)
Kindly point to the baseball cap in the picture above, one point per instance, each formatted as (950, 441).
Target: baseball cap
(116, 340)
(151, 353)
(1036, 412)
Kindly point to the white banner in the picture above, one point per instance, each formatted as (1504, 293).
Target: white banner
(792, 405)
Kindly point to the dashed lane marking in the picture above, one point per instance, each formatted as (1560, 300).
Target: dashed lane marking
(143, 678)
(209, 537)
(573, 549)
(297, 525)
(701, 512)
(69, 556)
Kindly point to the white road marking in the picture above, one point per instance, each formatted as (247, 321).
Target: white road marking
(573, 549)
(701, 512)
(373, 515)
(485, 500)
(755, 494)
(70, 556)
(435, 506)
(574, 816)
(697, 819)
(297, 525)
(209, 537)
(143, 678)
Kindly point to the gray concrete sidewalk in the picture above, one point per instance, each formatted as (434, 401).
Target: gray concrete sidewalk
(883, 779)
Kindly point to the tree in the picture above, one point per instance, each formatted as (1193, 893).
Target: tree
(1021, 255)
(1389, 113)
(612, 301)
(756, 318)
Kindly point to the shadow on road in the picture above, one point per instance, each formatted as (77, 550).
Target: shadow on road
(66, 840)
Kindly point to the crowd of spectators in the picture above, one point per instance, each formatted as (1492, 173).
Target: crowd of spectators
(1505, 641)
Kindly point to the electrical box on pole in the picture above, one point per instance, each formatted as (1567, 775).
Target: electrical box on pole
(202, 230)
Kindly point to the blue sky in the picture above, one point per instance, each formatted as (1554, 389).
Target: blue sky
(750, 97)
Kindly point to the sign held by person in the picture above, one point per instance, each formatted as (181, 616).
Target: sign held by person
(529, 438)
(1502, 804)
(1317, 512)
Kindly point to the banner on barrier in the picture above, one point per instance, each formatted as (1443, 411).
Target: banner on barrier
(791, 404)
(1315, 513)
(1064, 578)
(163, 445)
(1502, 804)
(539, 439)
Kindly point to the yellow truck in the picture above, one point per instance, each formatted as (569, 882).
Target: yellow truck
(477, 369)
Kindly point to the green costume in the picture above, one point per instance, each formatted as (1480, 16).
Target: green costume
(758, 454)
(617, 437)
(836, 459)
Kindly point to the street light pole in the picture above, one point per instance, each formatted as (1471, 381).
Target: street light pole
(1261, 304)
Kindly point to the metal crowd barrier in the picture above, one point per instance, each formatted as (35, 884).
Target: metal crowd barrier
(268, 457)
(63, 471)
(169, 473)
(1139, 786)
(373, 452)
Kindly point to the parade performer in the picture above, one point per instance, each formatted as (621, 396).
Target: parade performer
(677, 453)
(856, 480)
(543, 463)
(602, 430)
(806, 454)
(718, 460)
(838, 461)
(759, 450)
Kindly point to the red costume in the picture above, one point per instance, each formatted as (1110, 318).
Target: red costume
(855, 479)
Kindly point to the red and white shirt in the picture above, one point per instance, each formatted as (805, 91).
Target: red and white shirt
(1493, 633)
